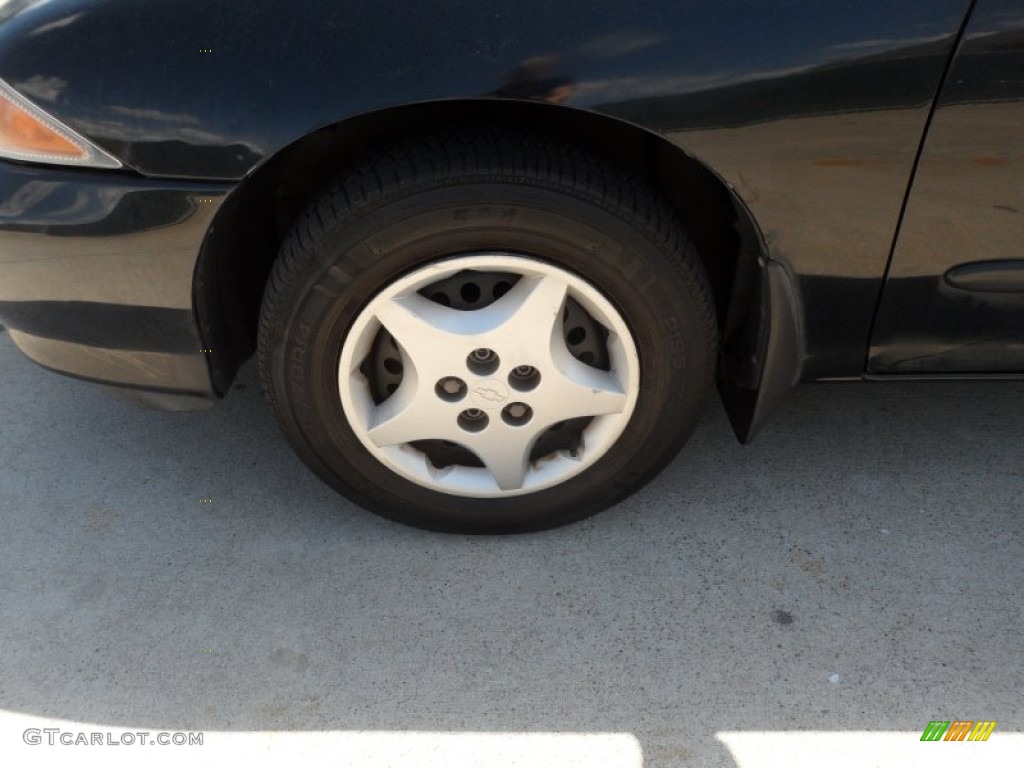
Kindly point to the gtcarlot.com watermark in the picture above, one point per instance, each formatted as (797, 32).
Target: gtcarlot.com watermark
(55, 736)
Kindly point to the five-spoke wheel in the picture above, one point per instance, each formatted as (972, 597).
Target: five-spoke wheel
(498, 379)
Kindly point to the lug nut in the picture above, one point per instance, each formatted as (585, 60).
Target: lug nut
(483, 361)
(516, 414)
(450, 388)
(524, 378)
(473, 420)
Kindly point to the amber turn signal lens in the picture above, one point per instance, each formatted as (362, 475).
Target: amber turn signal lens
(22, 132)
(29, 134)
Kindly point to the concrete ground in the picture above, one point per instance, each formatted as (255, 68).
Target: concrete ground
(813, 599)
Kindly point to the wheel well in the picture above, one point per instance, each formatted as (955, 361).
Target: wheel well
(244, 239)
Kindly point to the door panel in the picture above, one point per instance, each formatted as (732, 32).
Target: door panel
(954, 298)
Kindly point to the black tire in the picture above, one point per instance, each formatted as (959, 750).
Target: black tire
(486, 188)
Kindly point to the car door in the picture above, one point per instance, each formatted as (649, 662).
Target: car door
(953, 300)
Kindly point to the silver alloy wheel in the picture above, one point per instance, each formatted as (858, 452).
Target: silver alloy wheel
(492, 381)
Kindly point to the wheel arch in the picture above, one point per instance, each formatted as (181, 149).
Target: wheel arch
(243, 241)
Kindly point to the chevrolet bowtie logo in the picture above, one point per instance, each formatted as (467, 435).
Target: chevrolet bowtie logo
(490, 394)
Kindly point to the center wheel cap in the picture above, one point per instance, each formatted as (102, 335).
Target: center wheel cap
(488, 394)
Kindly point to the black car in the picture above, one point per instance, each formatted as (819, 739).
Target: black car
(493, 256)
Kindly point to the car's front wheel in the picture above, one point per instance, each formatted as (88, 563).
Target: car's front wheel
(487, 332)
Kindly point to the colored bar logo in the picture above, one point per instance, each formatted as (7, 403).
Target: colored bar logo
(958, 730)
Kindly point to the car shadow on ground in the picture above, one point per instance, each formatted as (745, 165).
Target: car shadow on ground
(856, 568)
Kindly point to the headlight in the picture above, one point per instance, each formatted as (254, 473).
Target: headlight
(27, 133)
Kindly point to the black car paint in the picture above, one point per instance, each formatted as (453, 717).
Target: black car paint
(812, 113)
(964, 218)
(96, 274)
